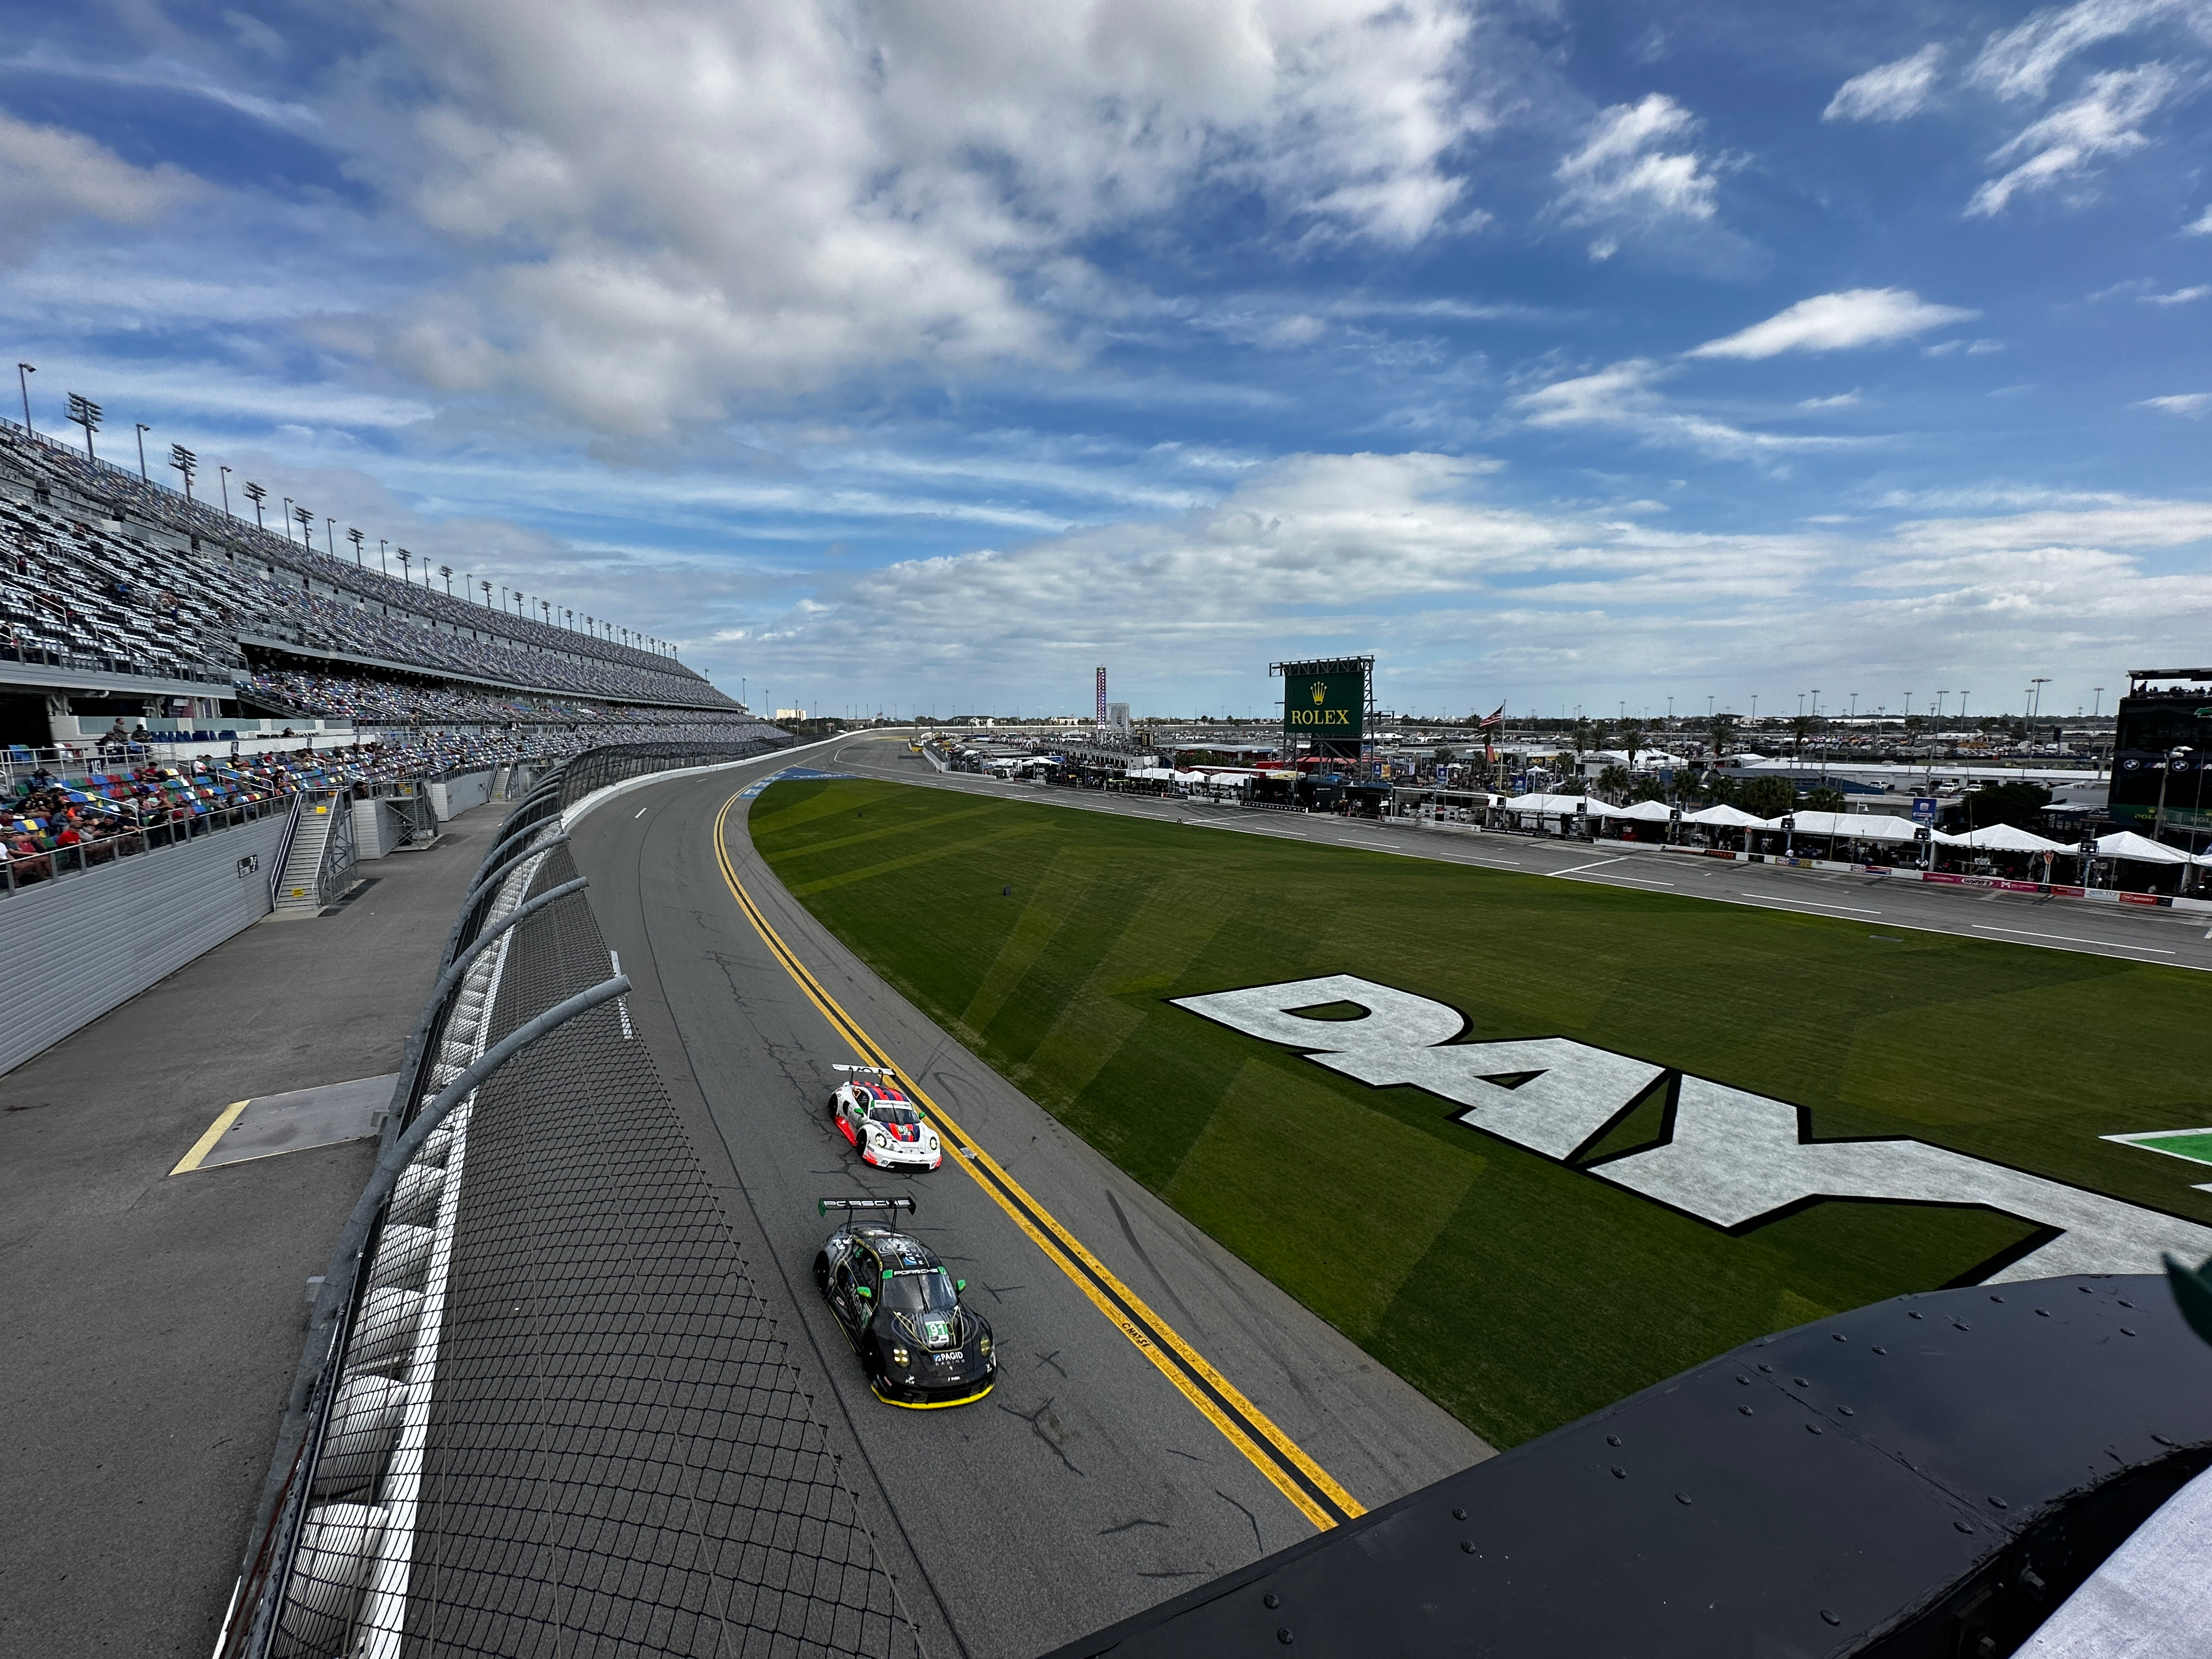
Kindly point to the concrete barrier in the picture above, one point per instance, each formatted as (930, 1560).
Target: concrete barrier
(86, 943)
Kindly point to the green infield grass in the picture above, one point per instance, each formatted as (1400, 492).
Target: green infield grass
(1516, 1291)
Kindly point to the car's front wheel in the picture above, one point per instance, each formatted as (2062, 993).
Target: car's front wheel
(821, 1275)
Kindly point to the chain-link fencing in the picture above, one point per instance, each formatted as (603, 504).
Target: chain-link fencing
(544, 1408)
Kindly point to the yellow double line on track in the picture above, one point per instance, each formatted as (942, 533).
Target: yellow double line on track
(1244, 1426)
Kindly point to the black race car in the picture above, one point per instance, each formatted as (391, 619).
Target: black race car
(901, 1310)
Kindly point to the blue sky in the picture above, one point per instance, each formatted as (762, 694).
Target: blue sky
(898, 356)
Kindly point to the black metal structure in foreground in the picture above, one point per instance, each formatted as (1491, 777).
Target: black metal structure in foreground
(1928, 1478)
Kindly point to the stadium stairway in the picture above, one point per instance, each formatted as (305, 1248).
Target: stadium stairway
(299, 892)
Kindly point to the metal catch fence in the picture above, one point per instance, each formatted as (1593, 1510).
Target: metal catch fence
(543, 1406)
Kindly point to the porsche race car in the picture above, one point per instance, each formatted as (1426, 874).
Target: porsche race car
(918, 1345)
(876, 1114)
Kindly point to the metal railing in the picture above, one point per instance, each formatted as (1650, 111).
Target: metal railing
(21, 870)
(283, 854)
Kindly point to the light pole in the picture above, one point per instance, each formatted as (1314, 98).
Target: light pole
(83, 412)
(143, 431)
(256, 493)
(2097, 712)
(23, 371)
(2177, 759)
(187, 462)
(222, 482)
(356, 538)
(406, 566)
(287, 518)
(2038, 683)
(307, 521)
(446, 572)
(487, 593)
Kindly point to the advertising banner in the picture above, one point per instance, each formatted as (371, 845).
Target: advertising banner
(1331, 708)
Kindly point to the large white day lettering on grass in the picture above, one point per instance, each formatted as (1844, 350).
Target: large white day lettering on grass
(1731, 1158)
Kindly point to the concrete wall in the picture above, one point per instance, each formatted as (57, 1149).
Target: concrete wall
(85, 944)
(453, 796)
(375, 829)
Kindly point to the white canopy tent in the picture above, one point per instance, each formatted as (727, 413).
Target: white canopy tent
(2003, 838)
(1725, 817)
(1645, 812)
(1850, 826)
(1553, 806)
(2126, 844)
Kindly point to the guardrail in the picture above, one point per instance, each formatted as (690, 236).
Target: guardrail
(21, 870)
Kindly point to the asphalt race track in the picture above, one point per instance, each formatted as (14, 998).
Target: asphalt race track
(1089, 1485)
(2173, 938)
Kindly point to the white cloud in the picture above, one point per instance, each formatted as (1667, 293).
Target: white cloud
(1837, 322)
(1972, 348)
(2132, 522)
(2021, 62)
(1624, 177)
(1889, 92)
(1624, 396)
(696, 200)
(2191, 404)
(48, 174)
(2180, 296)
(1840, 400)
(2201, 225)
(2103, 121)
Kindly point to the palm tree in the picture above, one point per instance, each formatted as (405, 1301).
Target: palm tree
(1613, 783)
(1802, 728)
(1631, 739)
(1721, 731)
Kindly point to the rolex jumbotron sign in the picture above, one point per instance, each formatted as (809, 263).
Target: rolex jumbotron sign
(1326, 703)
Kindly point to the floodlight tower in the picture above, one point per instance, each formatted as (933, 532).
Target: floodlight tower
(1101, 696)
(185, 462)
(83, 412)
(354, 535)
(257, 493)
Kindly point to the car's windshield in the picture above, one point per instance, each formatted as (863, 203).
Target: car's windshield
(884, 1114)
(923, 1293)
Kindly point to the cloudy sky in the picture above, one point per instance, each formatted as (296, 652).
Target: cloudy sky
(890, 354)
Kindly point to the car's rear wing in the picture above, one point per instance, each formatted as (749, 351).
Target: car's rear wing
(864, 1205)
(869, 1070)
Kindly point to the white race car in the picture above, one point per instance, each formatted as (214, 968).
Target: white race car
(873, 1112)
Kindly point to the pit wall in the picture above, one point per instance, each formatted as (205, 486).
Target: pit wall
(86, 944)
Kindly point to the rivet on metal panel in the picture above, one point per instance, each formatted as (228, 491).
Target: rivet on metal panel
(1459, 1515)
(1961, 1325)
(1681, 1497)
(1881, 1351)
(1998, 1503)
(1996, 1298)
(1467, 1547)
(1837, 1336)
(1271, 1600)
(1746, 1410)
(2163, 1441)
(2043, 1313)
(2084, 1290)
(1813, 1428)
(1801, 1382)
(1847, 1411)
(1744, 1381)
(2124, 1331)
(1284, 1636)
(1830, 1617)
(1619, 1473)
(1765, 1367)
(1912, 1315)
(1964, 1527)
(1612, 1440)
(2124, 1302)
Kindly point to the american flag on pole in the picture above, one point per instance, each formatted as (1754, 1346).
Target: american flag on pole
(1495, 718)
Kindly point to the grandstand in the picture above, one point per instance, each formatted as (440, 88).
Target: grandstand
(123, 599)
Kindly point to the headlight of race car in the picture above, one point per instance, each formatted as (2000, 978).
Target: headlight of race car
(983, 1347)
(931, 1140)
(898, 1356)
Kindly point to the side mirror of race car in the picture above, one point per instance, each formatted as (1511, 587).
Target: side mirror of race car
(959, 1283)
(864, 1292)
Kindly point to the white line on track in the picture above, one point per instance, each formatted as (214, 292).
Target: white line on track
(1578, 868)
(1623, 881)
(2072, 938)
(1798, 903)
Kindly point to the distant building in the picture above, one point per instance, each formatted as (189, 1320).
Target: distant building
(1117, 717)
(791, 713)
